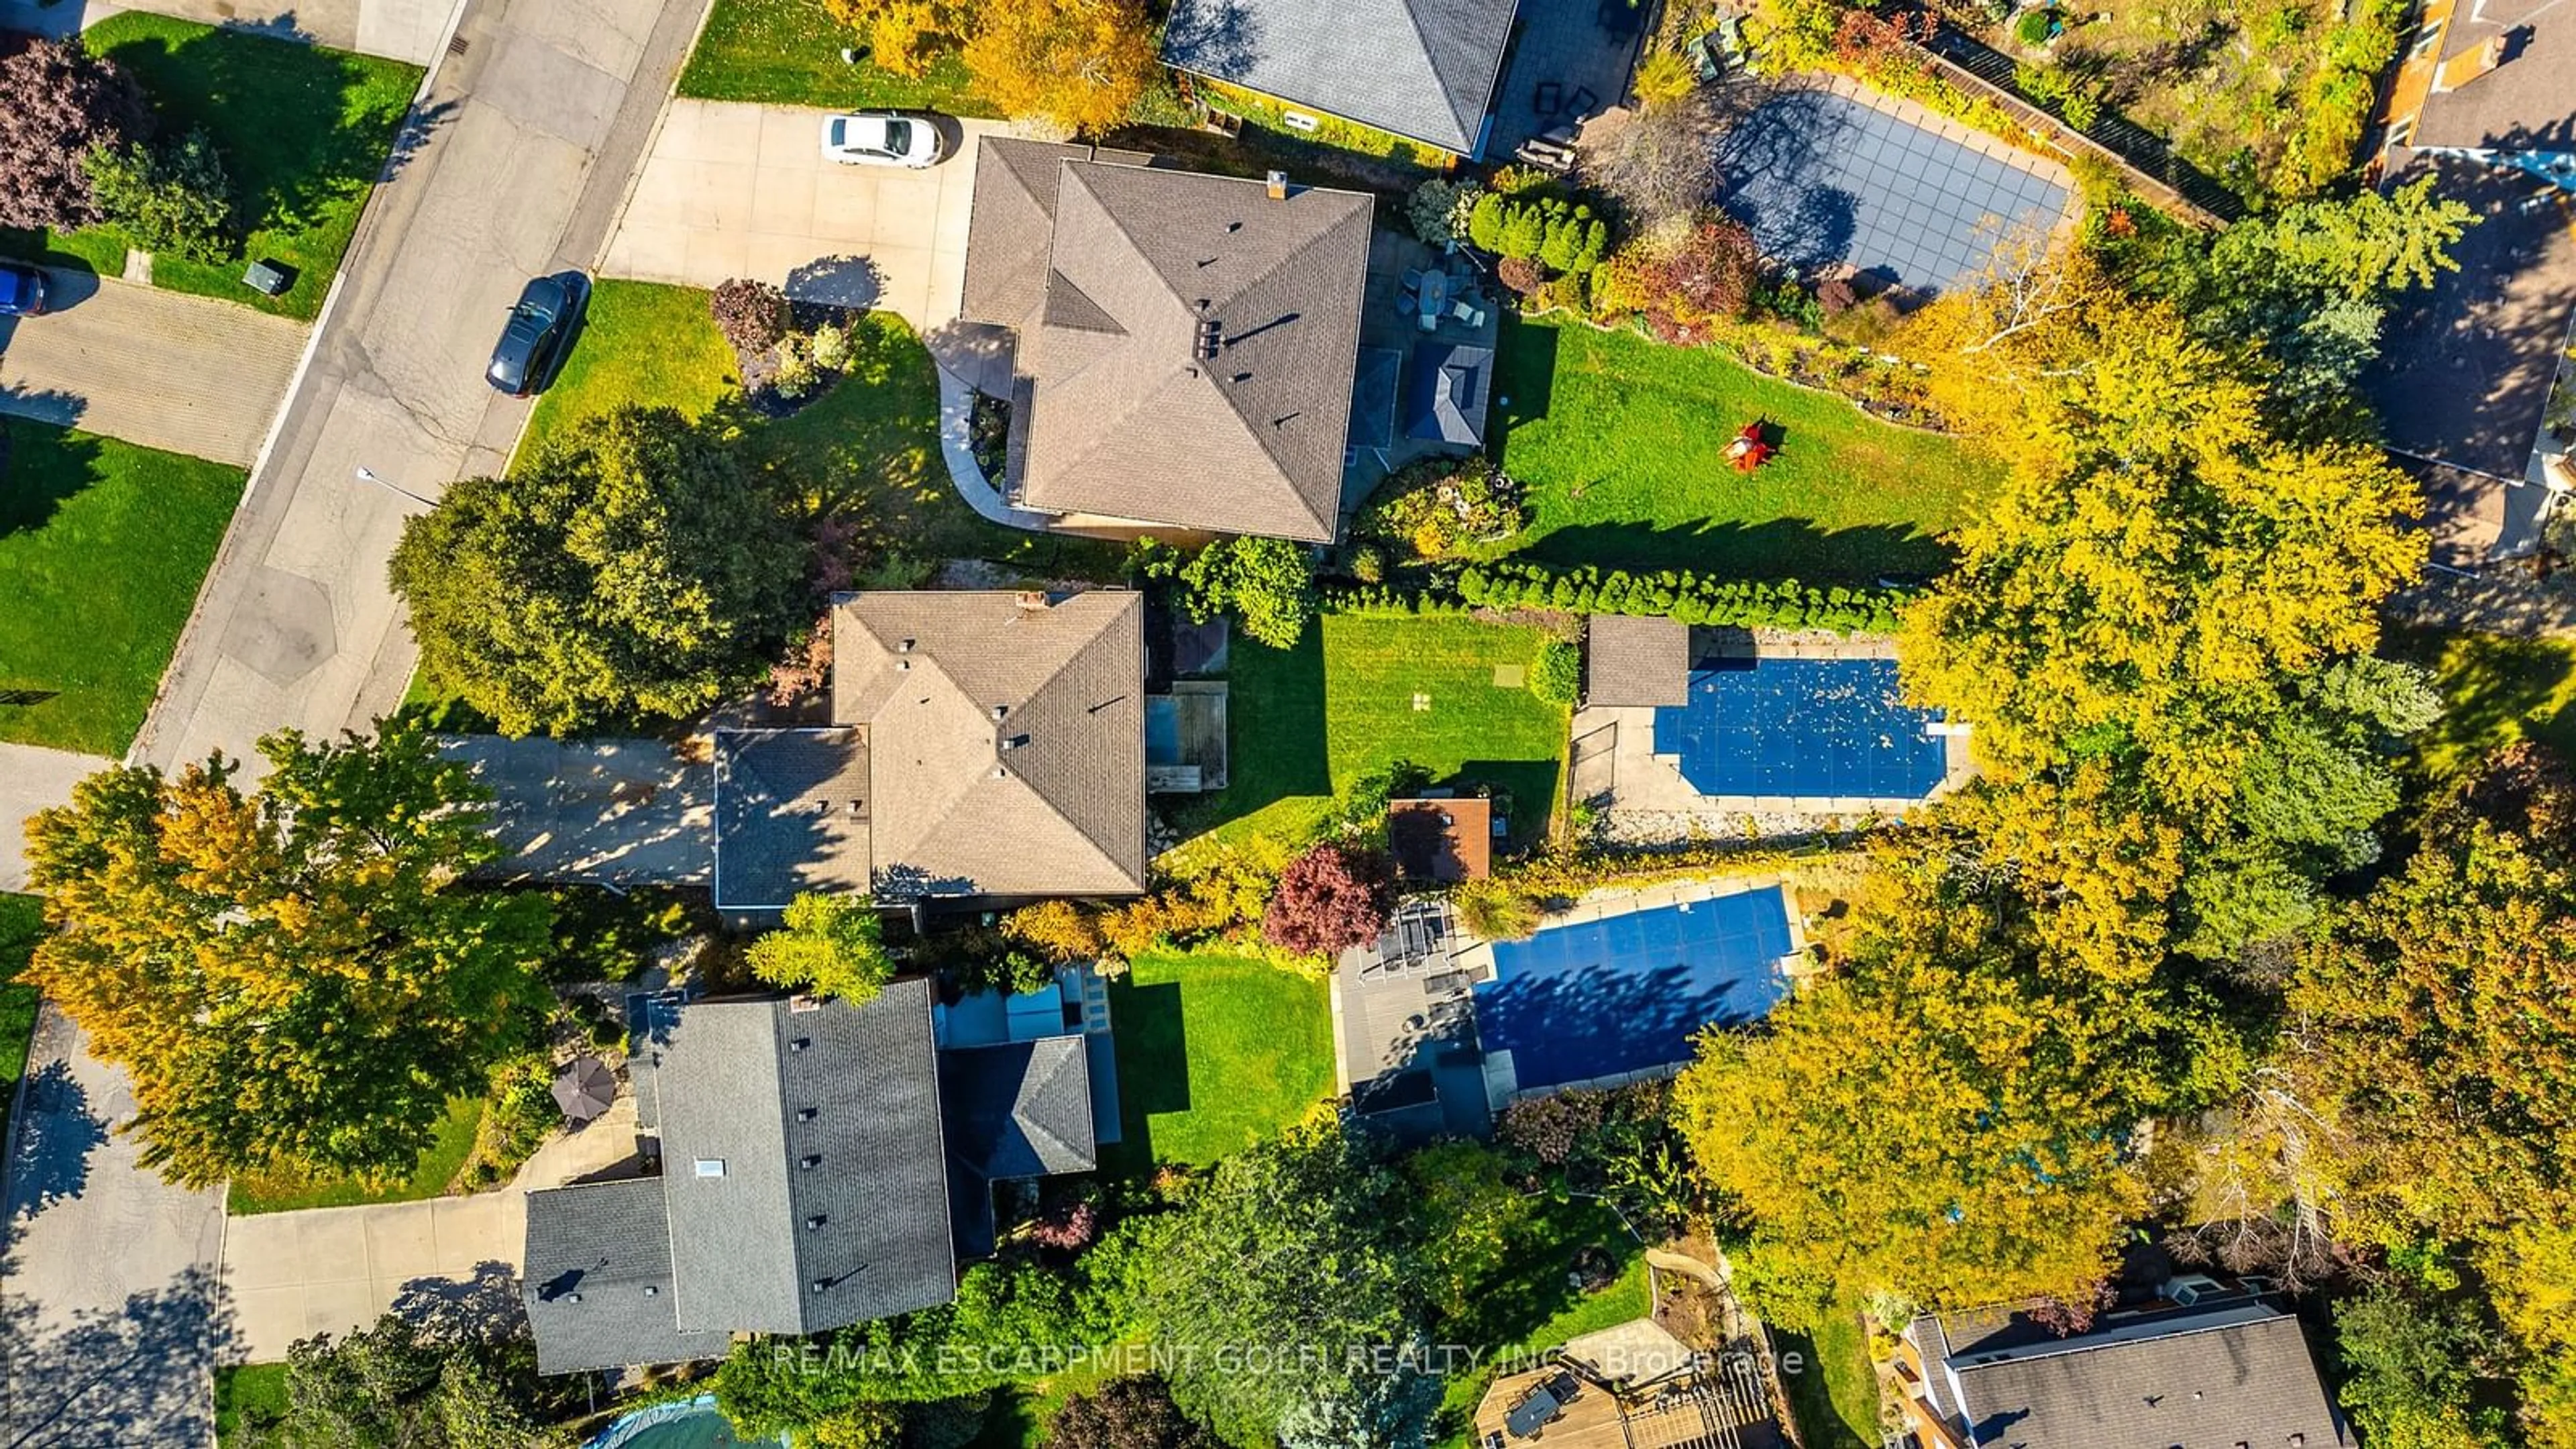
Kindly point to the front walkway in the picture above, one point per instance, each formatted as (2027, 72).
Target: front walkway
(733, 190)
(33, 778)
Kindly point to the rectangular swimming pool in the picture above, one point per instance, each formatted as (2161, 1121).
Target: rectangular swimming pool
(1627, 993)
(1812, 729)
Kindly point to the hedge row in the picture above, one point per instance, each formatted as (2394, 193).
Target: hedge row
(1678, 594)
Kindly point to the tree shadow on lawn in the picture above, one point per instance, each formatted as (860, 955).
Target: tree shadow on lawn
(1153, 1054)
(44, 465)
(1773, 549)
(278, 111)
(1533, 785)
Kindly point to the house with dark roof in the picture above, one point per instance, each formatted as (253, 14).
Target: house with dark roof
(2203, 1366)
(1424, 70)
(821, 1164)
(1183, 345)
(985, 746)
(2484, 107)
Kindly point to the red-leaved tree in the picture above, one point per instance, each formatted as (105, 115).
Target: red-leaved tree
(1135, 1412)
(1329, 899)
(57, 102)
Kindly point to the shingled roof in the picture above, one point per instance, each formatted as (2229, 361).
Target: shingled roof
(1106, 270)
(1006, 738)
(2240, 1374)
(598, 1280)
(1421, 69)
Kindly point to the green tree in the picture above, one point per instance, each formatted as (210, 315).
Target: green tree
(1942, 1117)
(633, 567)
(1297, 1245)
(2411, 1368)
(831, 945)
(401, 1386)
(1264, 582)
(294, 977)
(177, 200)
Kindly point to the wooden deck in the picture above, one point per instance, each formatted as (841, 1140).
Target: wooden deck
(1722, 1407)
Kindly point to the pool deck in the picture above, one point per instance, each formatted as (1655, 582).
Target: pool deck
(1614, 755)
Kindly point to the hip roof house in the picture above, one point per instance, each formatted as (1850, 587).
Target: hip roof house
(1425, 70)
(984, 744)
(1185, 343)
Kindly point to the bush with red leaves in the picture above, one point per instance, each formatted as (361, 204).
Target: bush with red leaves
(57, 103)
(1126, 1413)
(1068, 1229)
(751, 315)
(1524, 276)
(1329, 899)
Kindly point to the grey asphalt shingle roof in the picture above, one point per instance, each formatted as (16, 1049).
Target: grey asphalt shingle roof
(1020, 1109)
(1047, 799)
(2240, 1374)
(1421, 69)
(1632, 661)
(791, 814)
(802, 1163)
(1445, 391)
(597, 1280)
(1122, 417)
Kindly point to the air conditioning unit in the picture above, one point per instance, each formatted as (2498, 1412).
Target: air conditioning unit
(1300, 121)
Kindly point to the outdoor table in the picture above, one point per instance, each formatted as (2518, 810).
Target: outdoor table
(1434, 297)
(1533, 1414)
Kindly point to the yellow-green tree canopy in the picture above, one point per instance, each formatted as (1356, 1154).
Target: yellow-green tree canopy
(292, 976)
(831, 945)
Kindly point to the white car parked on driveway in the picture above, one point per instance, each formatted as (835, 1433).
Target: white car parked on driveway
(882, 138)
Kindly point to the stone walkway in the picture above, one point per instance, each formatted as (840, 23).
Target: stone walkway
(164, 369)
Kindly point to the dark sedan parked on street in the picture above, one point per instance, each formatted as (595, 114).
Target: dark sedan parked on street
(22, 290)
(533, 339)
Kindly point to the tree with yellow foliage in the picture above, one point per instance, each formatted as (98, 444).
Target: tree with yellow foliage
(903, 35)
(293, 976)
(1080, 64)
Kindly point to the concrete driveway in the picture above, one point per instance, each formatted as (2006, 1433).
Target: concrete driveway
(619, 812)
(114, 1320)
(736, 190)
(33, 778)
(164, 369)
(328, 1270)
(399, 29)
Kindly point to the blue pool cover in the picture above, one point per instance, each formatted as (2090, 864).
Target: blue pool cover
(1609, 997)
(1820, 178)
(1803, 728)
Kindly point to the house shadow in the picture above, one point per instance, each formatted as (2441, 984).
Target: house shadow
(132, 1374)
(42, 461)
(1524, 379)
(1153, 1052)
(1532, 787)
(1276, 707)
(58, 1133)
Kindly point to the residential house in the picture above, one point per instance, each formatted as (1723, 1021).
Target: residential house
(1183, 344)
(2202, 1365)
(1423, 70)
(821, 1164)
(985, 746)
(2484, 105)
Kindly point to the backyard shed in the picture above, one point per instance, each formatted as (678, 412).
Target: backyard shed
(1634, 662)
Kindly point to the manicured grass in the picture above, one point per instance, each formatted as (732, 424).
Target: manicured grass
(867, 451)
(22, 920)
(1621, 442)
(304, 133)
(1835, 1395)
(1214, 1053)
(1360, 693)
(437, 1168)
(102, 545)
(248, 1397)
(1625, 1299)
(788, 52)
(2496, 691)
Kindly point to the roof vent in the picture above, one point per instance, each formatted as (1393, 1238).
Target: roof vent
(710, 1167)
(1001, 711)
(1013, 742)
(822, 1284)
(800, 1043)
(572, 1298)
(816, 1222)
(1278, 186)
(1232, 227)
(903, 648)
(810, 1161)
(1211, 336)
(808, 1114)
(1000, 774)
(652, 1290)
(903, 664)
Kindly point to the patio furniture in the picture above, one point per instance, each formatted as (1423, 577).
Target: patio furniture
(1435, 296)
(1550, 98)
(1546, 155)
(1536, 1412)
(585, 1089)
(1582, 104)
(1412, 279)
(1620, 17)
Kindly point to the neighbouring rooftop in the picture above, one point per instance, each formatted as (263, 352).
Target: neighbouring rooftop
(1424, 70)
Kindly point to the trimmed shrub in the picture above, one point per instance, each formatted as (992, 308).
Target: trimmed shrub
(177, 201)
(1557, 677)
(751, 315)
(1676, 594)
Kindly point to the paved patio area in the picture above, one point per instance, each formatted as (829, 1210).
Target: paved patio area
(735, 190)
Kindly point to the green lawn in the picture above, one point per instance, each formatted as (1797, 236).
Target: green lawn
(1545, 1264)
(22, 919)
(1214, 1053)
(1835, 1395)
(102, 545)
(247, 1397)
(304, 133)
(438, 1166)
(788, 52)
(868, 450)
(1358, 694)
(2497, 690)
(1621, 443)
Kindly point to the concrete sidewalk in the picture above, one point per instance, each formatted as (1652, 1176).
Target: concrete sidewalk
(165, 369)
(744, 191)
(33, 778)
(396, 29)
